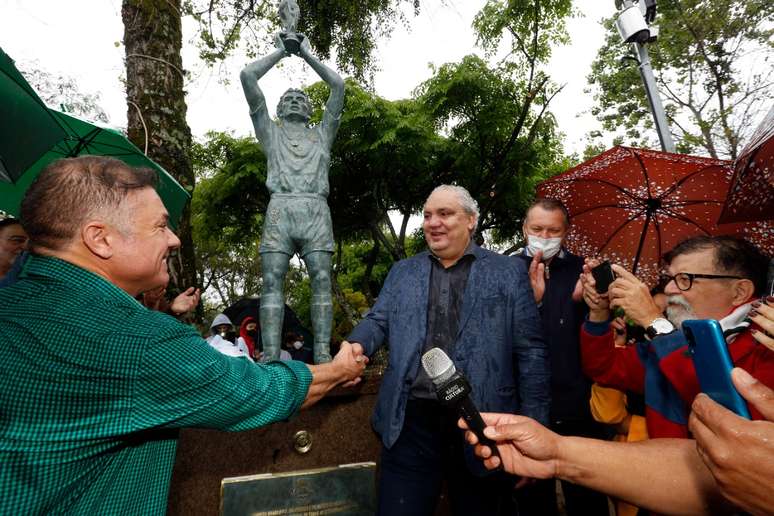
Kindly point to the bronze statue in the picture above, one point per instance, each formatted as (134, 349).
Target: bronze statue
(297, 219)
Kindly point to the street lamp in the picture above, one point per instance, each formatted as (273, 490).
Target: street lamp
(633, 24)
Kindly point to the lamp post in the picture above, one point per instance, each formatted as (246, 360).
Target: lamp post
(633, 26)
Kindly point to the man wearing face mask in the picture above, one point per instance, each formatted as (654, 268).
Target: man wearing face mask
(553, 274)
(295, 346)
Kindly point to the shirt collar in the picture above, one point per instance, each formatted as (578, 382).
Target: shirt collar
(471, 250)
(736, 321)
(80, 278)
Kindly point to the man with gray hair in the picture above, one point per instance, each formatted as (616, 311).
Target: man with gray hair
(94, 387)
(478, 307)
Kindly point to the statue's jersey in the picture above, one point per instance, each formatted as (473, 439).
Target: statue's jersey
(297, 163)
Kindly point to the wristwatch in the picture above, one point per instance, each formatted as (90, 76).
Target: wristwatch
(659, 326)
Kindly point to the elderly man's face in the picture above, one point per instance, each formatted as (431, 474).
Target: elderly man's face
(708, 298)
(447, 226)
(13, 240)
(140, 257)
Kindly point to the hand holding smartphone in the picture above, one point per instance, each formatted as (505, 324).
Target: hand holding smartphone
(603, 277)
(713, 365)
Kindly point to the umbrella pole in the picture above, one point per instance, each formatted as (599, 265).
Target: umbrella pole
(648, 215)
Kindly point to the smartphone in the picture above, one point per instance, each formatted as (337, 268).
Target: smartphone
(603, 276)
(713, 365)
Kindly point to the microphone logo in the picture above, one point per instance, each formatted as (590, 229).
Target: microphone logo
(453, 390)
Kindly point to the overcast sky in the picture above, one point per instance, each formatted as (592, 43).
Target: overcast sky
(82, 39)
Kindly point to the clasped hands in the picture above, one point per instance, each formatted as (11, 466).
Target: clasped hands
(304, 51)
(351, 362)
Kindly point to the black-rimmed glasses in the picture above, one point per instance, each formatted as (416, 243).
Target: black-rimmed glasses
(684, 280)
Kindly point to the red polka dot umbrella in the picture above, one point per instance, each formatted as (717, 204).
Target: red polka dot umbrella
(751, 196)
(630, 206)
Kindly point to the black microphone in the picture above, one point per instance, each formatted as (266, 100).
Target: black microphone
(453, 390)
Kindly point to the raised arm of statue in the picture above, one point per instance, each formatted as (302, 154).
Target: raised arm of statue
(255, 99)
(335, 102)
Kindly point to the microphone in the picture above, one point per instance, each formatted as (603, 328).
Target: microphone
(453, 390)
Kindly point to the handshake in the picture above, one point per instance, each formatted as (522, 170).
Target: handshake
(346, 369)
(350, 362)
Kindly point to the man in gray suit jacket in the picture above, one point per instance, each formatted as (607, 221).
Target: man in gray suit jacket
(478, 307)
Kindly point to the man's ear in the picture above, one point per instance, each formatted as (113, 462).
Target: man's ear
(98, 238)
(743, 291)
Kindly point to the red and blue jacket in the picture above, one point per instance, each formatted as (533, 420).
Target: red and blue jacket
(663, 372)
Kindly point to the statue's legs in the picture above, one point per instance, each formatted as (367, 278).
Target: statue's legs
(318, 265)
(274, 266)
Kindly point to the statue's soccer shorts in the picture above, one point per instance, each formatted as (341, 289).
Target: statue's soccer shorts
(297, 223)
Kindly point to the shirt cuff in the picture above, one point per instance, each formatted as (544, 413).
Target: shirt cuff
(596, 329)
(304, 376)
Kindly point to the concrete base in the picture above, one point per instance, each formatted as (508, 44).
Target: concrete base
(341, 434)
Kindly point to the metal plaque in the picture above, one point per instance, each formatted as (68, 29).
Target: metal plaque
(347, 490)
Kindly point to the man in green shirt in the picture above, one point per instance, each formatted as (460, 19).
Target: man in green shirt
(93, 386)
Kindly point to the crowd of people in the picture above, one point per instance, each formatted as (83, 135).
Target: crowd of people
(593, 388)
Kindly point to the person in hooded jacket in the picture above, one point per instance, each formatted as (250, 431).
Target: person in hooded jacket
(250, 337)
(223, 338)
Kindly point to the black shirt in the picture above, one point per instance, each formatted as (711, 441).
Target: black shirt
(444, 306)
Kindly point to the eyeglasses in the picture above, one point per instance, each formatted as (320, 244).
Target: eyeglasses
(684, 280)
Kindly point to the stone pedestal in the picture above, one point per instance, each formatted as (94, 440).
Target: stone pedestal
(340, 430)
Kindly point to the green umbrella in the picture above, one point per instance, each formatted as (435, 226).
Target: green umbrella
(27, 128)
(85, 138)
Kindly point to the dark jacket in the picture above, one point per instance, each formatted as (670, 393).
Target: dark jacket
(499, 346)
(562, 319)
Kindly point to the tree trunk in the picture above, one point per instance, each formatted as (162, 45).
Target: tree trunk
(157, 110)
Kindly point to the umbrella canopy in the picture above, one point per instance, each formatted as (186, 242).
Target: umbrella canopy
(751, 196)
(84, 138)
(251, 306)
(630, 206)
(28, 129)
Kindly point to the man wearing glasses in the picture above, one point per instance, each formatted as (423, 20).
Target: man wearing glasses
(13, 241)
(705, 278)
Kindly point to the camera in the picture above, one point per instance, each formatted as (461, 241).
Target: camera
(603, 276)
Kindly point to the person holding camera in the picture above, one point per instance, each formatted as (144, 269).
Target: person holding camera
(705, 278)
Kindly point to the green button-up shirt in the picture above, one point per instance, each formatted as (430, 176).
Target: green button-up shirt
(94, 387)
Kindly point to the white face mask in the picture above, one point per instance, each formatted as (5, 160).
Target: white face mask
(549, 246)
(298, 344)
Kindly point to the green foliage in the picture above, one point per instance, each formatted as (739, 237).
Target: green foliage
(501, 148)
(712, 61)
(534, 27)
(230, 195)
(350, 26)
(226, 210)
(359, 268)
(300, 301)
(387, 156)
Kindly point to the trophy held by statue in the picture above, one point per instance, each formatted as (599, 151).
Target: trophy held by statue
(291, 38)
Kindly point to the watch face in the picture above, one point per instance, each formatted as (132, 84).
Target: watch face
(662, 326)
